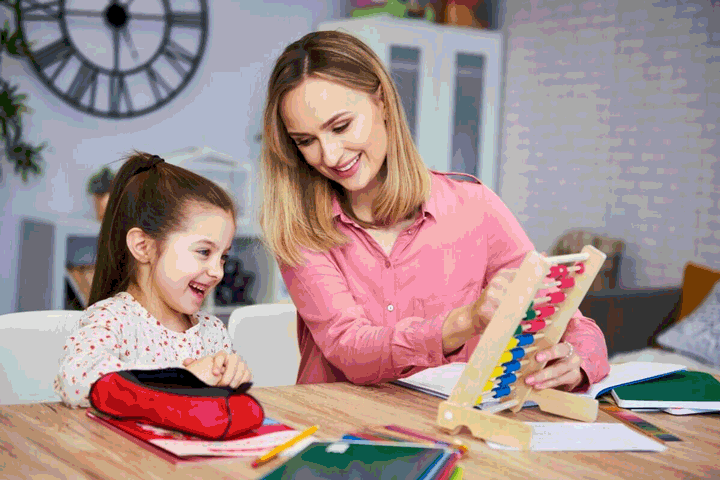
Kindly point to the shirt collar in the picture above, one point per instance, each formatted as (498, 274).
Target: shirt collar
(428, 207)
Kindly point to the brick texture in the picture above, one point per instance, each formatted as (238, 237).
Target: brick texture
(612, 121)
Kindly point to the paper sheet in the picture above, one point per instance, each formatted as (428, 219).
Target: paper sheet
(588, 437)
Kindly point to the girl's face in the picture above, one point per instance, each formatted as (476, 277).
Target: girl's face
(192, 262)
(340, 132)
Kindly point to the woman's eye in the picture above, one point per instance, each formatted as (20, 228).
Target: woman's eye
(341, 128)
(303, 142)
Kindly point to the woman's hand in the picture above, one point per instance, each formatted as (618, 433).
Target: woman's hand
(564, 372)
(465, 322)
(483, 309)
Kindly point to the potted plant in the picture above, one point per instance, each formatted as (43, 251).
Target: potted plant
(99, 186)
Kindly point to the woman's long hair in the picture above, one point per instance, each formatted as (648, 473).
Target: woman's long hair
(296, 211)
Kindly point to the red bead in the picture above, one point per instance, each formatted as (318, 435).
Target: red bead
(566, 282)
(535, 326)
(580, 268)
(557, 297)
(543, 312)
(558, 271)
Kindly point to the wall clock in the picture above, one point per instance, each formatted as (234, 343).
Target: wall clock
(115, 59)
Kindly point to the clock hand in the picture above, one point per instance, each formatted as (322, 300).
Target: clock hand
(116, 48)
(128, 38)
(83, 13)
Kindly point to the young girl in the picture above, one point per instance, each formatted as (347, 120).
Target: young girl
(393, 268)
(162, 245)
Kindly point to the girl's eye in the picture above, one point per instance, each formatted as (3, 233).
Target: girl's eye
(224, 258)
(204, 252)
(341, 128)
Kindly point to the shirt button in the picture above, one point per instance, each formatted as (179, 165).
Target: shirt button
(387, 264)
(390, 308)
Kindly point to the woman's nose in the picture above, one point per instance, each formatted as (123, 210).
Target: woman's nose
(332, 152)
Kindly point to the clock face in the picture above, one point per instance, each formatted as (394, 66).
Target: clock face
(115, 59)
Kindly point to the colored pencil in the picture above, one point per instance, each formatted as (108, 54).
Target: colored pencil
(273, 453)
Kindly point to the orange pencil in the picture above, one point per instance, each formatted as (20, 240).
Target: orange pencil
(272, 453)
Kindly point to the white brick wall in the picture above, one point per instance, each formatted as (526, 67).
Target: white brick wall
(610, 124)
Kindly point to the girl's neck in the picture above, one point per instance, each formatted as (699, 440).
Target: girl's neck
(175, 321)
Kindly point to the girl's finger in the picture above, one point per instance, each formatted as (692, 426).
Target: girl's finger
(219, 362)
(231, 369)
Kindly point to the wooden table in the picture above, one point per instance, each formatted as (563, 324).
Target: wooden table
(51, 441)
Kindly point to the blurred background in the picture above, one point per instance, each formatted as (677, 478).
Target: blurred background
(595, 121)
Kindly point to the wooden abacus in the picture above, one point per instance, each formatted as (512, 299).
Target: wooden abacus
(522, 324)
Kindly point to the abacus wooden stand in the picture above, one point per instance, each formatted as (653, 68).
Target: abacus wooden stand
(459, 409)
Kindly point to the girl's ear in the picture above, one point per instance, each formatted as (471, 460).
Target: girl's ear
(141, 246)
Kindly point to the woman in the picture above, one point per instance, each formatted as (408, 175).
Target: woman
(393, 268)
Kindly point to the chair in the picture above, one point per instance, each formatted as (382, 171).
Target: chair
(31, 344)
(265, 335)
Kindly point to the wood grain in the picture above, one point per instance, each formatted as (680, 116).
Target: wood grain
(51, 441)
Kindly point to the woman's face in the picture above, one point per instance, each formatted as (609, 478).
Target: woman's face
(340, 132)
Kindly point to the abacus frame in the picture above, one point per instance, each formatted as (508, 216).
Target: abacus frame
(459, 409)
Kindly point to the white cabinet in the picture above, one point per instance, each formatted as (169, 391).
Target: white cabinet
(449, 80)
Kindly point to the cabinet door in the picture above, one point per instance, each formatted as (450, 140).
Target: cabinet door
(406, 48)
(469, 72)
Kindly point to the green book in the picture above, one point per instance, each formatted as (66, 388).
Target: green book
(697, 390)
(346, 459)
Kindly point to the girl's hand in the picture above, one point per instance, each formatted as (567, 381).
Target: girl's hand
(483, 309)
(229, 369)
(564, 372)
(205, 369)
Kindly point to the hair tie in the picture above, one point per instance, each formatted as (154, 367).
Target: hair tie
(154, 160)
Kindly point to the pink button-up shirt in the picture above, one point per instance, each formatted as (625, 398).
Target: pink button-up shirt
(366, 317)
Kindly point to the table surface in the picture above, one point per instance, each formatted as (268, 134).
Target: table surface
(50, 440)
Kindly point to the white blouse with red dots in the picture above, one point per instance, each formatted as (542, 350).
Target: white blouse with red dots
(120, 334)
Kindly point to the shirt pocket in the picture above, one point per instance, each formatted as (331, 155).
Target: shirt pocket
(432, 306)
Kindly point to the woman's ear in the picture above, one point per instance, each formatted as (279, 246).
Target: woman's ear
(141, 246)
(379, 99)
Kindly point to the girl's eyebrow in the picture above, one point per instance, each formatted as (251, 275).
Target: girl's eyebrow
(325, 125)
(213, 244)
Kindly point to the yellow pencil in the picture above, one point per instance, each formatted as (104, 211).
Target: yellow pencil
(272, 453)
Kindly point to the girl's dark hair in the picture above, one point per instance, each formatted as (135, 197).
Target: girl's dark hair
(154, 196)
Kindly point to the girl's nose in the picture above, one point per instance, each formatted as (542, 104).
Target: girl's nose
(216, 269)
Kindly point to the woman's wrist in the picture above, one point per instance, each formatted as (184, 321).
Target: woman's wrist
(457, 329)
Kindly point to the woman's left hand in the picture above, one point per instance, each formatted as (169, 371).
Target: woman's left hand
(564, 372)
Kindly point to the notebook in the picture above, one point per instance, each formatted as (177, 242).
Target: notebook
(361, 459)
(696, 390)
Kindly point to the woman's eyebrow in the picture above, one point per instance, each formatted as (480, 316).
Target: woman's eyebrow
(325, 125)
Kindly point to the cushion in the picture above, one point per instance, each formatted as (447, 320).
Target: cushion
(698, 280)
(698, 335)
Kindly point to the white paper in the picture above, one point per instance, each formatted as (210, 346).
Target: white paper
(588, 437)
(249, 447)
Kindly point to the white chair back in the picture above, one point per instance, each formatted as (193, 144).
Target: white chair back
(31, 344)
(265, 335)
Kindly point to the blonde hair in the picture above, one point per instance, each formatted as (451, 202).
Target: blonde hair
(296, 211)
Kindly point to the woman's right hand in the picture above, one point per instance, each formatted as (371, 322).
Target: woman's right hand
(483, 309)
(465, 322)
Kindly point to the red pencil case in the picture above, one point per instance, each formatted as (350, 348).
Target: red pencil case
(175, 398)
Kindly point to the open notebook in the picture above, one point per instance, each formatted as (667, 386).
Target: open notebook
(439, 381)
